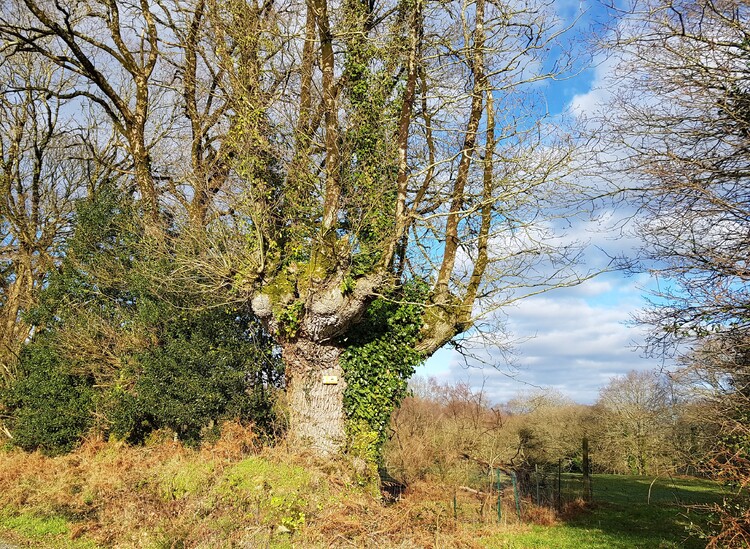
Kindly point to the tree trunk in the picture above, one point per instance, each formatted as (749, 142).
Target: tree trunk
(314, 377)
(315, 392)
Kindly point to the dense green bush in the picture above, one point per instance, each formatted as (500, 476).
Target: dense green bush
(215, 364)
(119, 339)
(52, 407)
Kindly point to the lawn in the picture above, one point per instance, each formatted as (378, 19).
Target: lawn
(628, 512)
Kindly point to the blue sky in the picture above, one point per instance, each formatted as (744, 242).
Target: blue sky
(574, 339)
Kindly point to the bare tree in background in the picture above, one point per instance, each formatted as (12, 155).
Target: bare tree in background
(716, 377)
(680, 129)
(154, 73)
(40, 180)
(636, 423)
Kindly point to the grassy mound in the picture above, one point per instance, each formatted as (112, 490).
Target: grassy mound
(231, 493)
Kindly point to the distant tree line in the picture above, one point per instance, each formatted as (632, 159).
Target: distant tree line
(639, 425)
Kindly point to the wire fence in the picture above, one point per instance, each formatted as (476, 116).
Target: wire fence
(516, 495)
(554, 485)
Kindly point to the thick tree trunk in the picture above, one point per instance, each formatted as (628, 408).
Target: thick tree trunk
(315, 393)
(315, 382)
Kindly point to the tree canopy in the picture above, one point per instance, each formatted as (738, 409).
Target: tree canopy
(679, 130)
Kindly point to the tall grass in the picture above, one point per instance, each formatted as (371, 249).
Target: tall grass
(234, 492)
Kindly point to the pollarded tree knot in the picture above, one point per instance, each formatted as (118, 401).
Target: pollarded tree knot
(331, 310)
(262, 306)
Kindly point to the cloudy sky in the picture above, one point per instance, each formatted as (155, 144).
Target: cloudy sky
(575, 339)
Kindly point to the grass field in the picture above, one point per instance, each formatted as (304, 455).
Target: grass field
(629, 512)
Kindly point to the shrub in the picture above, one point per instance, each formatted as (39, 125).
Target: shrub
(209, 367)
(50, 408)
(120, 339)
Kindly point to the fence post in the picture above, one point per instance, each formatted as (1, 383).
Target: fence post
(586, 470)
(559, 485)
(514, 479)
(499, 498)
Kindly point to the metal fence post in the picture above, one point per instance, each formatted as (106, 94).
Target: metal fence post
(514, 479)
(499, 498)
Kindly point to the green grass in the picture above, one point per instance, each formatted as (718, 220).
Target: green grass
(625, 517)
(29, 530)
(180, 478)
(626, 490)
(220, 504)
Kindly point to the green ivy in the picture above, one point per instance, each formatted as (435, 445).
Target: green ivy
(291, 318)
(380, 358)
(367, 151)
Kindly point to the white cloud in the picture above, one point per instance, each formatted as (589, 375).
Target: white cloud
(573, 340)
(592, 101)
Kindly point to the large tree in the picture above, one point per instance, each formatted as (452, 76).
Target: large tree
(310, 158)
(636, 417)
